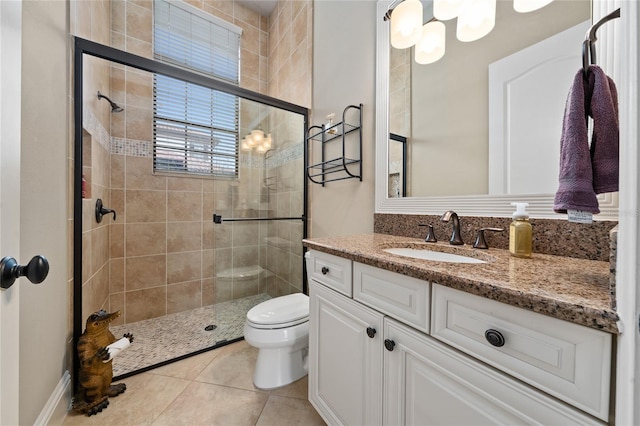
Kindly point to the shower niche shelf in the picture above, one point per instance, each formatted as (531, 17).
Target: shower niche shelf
(340, 147)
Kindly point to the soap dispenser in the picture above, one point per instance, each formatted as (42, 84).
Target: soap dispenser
(520, 233)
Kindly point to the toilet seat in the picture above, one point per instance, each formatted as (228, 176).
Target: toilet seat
(280, 312)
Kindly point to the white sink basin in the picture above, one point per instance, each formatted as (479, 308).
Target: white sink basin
(426, 254)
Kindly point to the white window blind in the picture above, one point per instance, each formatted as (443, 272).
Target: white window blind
(195, 128)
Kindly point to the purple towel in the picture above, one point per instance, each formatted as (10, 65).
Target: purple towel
(585, 171)
(605, 139)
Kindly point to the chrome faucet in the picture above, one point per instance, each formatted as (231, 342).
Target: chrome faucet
(456, 238)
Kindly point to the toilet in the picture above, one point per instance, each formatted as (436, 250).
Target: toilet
(279, 328)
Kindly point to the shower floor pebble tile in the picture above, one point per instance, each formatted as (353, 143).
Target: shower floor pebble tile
(158, 340)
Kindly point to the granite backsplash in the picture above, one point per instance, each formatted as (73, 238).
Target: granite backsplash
(550, 236)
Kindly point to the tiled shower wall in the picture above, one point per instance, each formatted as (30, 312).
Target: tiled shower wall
(160, 255)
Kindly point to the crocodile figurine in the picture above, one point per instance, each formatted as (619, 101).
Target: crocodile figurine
(96, 348)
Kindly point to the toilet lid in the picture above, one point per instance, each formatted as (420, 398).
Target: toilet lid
(283, 311)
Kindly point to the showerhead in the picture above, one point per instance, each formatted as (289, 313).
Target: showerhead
(114, 106)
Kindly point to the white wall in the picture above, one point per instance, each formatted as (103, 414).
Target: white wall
(45, 121)
(344, 43)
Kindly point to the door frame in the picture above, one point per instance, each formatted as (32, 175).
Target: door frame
(10, 142)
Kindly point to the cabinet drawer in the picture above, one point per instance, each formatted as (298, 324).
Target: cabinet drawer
(401, 297)
(330, 270)
(429, 383)
(566, 360)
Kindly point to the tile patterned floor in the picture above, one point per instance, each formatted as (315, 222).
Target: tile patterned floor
(213, 388)
(161, 339)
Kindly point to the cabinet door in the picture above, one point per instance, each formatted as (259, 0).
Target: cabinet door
(345, 363)
(428, 383)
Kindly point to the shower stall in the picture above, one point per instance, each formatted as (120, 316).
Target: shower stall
(181, 227)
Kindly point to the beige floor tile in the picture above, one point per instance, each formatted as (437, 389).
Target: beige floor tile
(233, 367)
(207, 404)
(283, 411)
(298, 389)
(188, 368)
(147, 395)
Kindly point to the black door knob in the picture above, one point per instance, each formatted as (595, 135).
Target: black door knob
(371, 332)
(389, 344)
(494, 337)
(324, 270)
(35, 271)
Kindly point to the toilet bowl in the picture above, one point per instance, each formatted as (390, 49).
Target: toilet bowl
(279, 328)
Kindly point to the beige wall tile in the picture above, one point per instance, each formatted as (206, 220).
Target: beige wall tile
(145, 271)
(223, 259)
(184, 296)
(208, 291)
(139, 125)
(117, 171)
(185, 184)
(222, 235)
(208, 263)
(139, 89)
(223, 290)
(86, 256)
(184, 236)
(250, 38)
(139, 22)
(118, 15)
(246, 256)
(208, 236)
(142, 239)
(145, 304)
(116, 303)
(139, 174)
(184, 206)
(245, 14)
(146, 206)
(118, 89)
(139, 47)
(245, 234)
(116, 240)
(99, 248)
(118, 204)
(116, 275)
(182, 267)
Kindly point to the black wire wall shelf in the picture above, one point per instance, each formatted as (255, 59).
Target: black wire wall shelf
(348, 132)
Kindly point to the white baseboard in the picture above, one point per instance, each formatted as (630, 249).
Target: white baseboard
(56, 408)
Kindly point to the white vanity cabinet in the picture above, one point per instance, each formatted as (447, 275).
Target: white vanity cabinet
(345, 358)
(373, 362)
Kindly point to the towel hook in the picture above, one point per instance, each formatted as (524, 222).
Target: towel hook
(588, 45)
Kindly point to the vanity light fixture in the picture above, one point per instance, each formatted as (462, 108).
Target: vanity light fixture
(258, 140)
(443, 10)
(524, 6)
(431, 45)
(406, 24)
(476, 19)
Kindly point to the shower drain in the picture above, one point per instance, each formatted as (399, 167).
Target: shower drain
(211, 327)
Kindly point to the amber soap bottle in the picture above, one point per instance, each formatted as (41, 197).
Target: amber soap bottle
(520, 232)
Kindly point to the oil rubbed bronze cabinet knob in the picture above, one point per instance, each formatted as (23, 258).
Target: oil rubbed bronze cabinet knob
(371, 332)
(389, 344)
(494, 337)
(324, 270)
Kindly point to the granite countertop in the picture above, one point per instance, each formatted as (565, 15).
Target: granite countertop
(570, 289)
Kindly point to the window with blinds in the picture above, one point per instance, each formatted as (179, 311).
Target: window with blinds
(195, 128)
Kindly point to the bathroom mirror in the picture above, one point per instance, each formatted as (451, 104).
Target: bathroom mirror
(452, 169)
